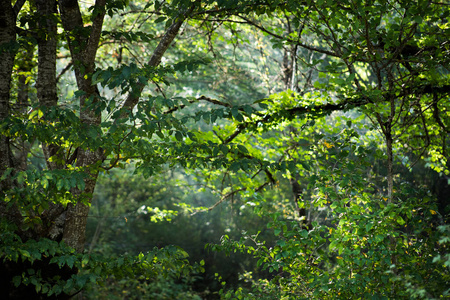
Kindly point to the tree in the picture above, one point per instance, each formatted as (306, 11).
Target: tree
(369, 58)
(58, 201)
(371, 66)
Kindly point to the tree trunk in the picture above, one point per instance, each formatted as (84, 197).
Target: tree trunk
(83, 50)
(390, 164)
(83, 56)
(297, 192)
(7, 40)
(46, 80)
(46, 85)
(25, 64)
(7, 54)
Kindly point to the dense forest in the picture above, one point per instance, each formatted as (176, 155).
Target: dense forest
(224, 149)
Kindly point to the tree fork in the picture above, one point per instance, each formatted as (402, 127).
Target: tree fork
(84, 64)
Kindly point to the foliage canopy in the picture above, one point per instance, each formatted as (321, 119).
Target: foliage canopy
(330, 120)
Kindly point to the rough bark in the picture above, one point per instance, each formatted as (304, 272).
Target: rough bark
(7, 53)
(46, 86)
(390, 165)
(7, 40)
(46, 79)
(386, 128)
(76, 215)
(83, 47)
(83, 52)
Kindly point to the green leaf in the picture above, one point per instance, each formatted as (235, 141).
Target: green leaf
(235, 166)
(236, 114)
(69, 285)
(318, 85)
(80, 184)
(369, 226)
(60, 184)
(400, 220)
(242, 149)
(178, 136)
(351, 78)
(281, 243)
(304, 233)
(333, 245)
(6, 173)
(44, 182)
(17, 280)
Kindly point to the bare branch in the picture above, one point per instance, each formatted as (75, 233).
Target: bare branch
(63, 71)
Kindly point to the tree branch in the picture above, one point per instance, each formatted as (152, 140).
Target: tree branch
(298, 43)
(96, 31)
(157, 55)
